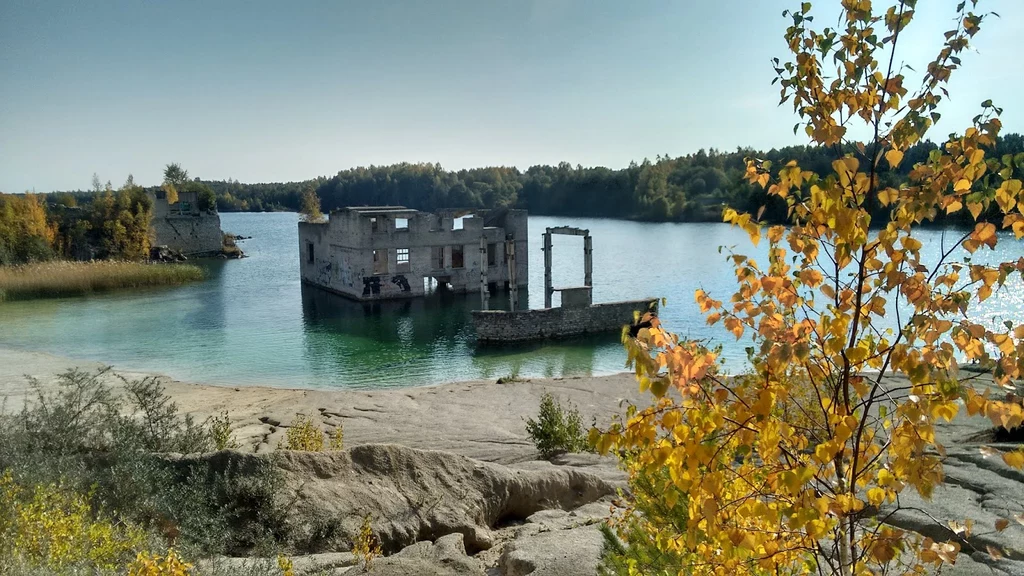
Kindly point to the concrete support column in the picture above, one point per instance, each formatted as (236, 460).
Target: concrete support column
(588, 261)
(513, 281)
(548, 288)
(483, 274)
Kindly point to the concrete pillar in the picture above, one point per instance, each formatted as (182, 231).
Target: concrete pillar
(513, 281)
(548, 288)
(588, 261)
(483, 274)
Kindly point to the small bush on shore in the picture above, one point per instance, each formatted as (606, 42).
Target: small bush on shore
(62, 279)
(557, 429)
(305, 435)
(149, 564)
(366, 545)
(220, 432)
(630, 544)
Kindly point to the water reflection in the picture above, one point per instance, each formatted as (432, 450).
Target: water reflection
(206, 309)
(438, 317)
(575, 356)
(425, 339)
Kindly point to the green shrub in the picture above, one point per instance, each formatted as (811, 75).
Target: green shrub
(630, 545)
(90, 440)
(557, 429)
(220, 432)
(304, 435)
(157, 426)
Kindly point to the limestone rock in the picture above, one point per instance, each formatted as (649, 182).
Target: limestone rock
(444, 557)
(413, 495)
(568, 552)
(410, 495)
(982, 490)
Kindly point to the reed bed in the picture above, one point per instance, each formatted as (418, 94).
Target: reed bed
(60, 279)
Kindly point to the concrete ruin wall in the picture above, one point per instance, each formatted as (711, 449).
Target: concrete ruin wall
(522, 325)
(195, 233)
(190, 235)
(338, 255)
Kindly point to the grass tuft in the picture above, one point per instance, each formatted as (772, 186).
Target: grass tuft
(61, 279)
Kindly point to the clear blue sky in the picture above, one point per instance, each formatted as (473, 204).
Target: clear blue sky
(274, 91)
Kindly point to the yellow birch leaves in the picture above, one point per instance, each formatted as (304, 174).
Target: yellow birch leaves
(775, 466)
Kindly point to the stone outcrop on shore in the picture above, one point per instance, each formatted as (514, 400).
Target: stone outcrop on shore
(434, 512)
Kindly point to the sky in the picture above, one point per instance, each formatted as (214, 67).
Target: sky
(263, 91)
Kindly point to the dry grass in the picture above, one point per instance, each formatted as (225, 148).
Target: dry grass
(59, 279)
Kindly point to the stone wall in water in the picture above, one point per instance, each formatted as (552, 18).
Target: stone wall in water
(189, 234)
(522, 325)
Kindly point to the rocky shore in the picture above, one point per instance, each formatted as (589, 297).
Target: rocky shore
(457, 485)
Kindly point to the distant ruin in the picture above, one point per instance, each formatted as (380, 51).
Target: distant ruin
(386, 252)
(182, 227)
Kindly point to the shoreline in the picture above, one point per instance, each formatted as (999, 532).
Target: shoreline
(480, 419)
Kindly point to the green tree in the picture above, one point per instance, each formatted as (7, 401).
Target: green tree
(26, 234)
(311, 206)
(174, 178)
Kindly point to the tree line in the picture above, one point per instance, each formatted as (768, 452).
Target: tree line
(113, 223)
(108, 224)
(691, 188)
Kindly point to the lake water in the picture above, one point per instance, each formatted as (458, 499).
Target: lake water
(252, 322)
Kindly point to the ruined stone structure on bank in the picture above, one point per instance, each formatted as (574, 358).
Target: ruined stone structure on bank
(183, 227)
(384, 252)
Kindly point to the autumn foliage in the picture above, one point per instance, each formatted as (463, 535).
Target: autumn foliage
(790, 467)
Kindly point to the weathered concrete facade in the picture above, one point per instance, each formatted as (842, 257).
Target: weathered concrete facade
(182, 227)
(382, 252)
(562, 322)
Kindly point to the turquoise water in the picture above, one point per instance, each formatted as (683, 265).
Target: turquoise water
(252, 322)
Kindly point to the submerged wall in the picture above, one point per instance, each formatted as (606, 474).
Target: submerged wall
(504, 326)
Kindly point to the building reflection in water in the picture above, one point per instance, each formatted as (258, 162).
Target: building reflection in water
(425, 340)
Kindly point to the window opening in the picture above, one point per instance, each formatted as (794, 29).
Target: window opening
(380, 261)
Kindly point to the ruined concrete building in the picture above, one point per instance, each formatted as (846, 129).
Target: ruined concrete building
(382, 252)
(183, 227)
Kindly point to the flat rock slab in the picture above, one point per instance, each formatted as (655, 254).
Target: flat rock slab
(574, 552)
(480, 419)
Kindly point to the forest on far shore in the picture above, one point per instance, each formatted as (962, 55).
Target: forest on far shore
(691, 188)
